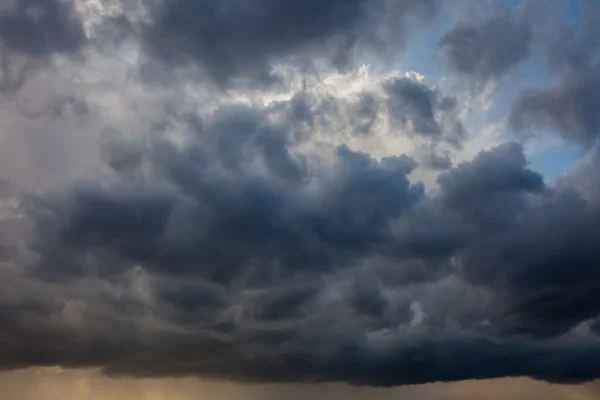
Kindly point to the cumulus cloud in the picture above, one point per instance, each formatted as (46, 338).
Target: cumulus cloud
(248, 39)
(285, 234)
(241, 255)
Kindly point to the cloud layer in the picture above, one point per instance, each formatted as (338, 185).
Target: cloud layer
(303, 219)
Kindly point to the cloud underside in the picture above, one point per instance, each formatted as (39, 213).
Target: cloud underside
(210, 232)
(242, 40)
(246, 262)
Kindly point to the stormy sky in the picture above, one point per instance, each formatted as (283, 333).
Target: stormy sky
(269, 198)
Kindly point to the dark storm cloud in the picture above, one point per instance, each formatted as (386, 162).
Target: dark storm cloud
(489, 189)
(424, 361)
(488, 48)
(536, 247)
(132, 221)
(526, 235)
(595, 327)
(41, 27)
(237, 253)
(234, 39)
(190, 296)
(284, 303)
(243, 244)
(545, 262)
(367, 296)
(249, 198)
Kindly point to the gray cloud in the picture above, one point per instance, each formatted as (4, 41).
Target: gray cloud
(39, 28)
(234, 237)
(422, 109)
(571, 107)
(31, 32)
(489, 189)
(567, 46)
(489, 47)
(286, 303)
(246, 40)
(414, 102)
(367, 296)
(247, 262)
(243, 184)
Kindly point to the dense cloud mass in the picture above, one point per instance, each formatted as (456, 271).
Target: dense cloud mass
(248, 38)
(348, 224)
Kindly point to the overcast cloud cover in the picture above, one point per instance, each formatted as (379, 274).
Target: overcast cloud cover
(267, 191)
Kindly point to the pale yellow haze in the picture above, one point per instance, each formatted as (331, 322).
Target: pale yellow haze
(57, 384)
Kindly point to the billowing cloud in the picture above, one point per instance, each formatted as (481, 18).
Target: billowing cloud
(239, 253)
(348, 225)
(248, 39)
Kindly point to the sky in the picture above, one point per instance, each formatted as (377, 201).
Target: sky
(244, 199)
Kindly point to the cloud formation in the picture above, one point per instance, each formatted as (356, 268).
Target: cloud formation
(248, 39)
(245, 265)
(40, 28)
(489, 46)
(570, 105)
(337, 227)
